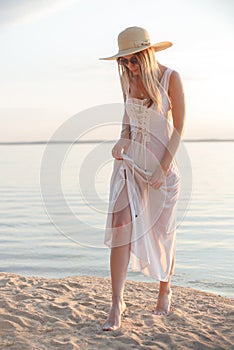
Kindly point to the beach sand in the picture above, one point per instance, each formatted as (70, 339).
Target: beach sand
(68, 313)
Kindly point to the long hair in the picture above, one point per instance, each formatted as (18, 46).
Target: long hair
(149, 74)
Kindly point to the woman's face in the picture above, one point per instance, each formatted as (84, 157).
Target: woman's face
(131, 62)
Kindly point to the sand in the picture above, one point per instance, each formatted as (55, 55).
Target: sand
(39, 313)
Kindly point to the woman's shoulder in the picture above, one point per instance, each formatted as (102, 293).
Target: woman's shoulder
(175, 86)
(167, 70)
(175, 80)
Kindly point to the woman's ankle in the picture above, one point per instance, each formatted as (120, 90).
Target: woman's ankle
(164, 288)
(117, 297)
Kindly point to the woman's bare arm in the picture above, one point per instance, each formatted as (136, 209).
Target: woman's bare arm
(176, 94)
(125, 132)
(124, 140)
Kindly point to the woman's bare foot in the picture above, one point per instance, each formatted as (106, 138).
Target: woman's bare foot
(164, 302)
(113, 321)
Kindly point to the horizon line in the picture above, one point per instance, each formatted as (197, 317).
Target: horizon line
(98, 141)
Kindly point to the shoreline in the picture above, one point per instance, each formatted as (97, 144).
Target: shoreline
(68, 313)
(45, 142)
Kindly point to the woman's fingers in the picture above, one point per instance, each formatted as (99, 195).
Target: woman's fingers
(157, 179)
(116, 153)
(156, 185)
(116, 150)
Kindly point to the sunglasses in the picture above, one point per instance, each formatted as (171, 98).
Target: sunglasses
(125, 61)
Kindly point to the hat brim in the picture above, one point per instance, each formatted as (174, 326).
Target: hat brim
(157, 47)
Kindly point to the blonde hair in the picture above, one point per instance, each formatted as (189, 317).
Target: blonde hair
(149, 74)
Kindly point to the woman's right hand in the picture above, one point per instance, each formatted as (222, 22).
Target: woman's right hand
(121, 144)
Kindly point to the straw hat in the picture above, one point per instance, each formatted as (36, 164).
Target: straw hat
(135, 39)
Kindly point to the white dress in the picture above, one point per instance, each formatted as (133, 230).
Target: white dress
(153, 212)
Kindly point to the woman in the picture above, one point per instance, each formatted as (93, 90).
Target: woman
(145, 182)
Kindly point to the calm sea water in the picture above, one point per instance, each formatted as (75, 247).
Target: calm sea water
(34, 240)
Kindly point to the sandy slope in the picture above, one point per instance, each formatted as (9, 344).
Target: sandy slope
(38, 313)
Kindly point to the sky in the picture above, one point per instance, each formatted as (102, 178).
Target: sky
(50, 68)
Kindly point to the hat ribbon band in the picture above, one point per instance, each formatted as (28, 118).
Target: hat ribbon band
(139, 43)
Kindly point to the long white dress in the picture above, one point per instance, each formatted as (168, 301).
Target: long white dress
(153, 212)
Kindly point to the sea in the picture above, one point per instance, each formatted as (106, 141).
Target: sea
(54, 200)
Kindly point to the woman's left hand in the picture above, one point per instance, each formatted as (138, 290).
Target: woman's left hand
(158, 178)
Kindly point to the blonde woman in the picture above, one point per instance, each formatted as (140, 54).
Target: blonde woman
(145, 182)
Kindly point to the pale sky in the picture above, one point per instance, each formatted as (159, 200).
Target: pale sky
(50, 68)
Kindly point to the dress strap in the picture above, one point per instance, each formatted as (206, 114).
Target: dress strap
(165, 78)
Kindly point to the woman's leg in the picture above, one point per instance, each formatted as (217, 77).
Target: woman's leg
(119, 263)
(165, 294)
(119, 260)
